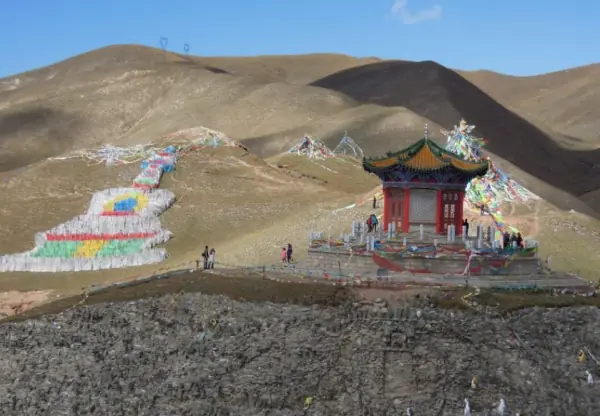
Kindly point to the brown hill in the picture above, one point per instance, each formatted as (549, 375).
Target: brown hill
(567, 101)
(131, 94)
(134, 94)
(443, 96)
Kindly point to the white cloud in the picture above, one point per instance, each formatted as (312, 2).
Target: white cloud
(400, 8)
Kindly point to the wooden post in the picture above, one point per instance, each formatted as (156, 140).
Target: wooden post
(460, 211)
(386, 207)
(439, 223)
(406, 219)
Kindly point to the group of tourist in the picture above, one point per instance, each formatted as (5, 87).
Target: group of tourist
(208, 258)
(509, 240)
(372, 223)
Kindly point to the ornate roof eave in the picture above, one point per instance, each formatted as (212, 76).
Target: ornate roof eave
(447, 168)
(426, 152)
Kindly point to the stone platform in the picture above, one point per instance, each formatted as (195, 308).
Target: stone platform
(363, 264)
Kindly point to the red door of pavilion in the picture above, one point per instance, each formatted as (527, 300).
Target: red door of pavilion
(451, 211)
(396, 208)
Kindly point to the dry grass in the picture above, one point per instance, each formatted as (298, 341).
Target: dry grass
(237, 287)
(509, 301)
(226, 198)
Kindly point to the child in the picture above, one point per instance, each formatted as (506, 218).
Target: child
(284, 255)
(211, 258)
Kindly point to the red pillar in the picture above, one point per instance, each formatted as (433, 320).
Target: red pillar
(459, 216)
(386, 208)
(405, 220)
(439, 213)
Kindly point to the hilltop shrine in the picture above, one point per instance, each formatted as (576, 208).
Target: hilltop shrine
(424, 184)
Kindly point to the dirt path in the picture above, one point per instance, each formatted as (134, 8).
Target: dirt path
(14, 302)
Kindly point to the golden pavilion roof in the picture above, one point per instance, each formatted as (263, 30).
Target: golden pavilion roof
(425, 156)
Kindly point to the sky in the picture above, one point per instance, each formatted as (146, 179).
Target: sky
(516, 37)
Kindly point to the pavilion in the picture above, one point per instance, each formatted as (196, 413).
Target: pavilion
(424, 184)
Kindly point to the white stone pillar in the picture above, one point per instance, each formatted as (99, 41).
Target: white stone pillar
(479, 243)
(404, 241)
(421, 232)
(435, 242)
(464, 233)
(479, 231)
(449, 234)
(491, 234)
(390, 231)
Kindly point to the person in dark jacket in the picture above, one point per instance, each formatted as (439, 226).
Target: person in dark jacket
(290, 251)
(466, 225)
(520, 240)
(205, 255)
(506, 240)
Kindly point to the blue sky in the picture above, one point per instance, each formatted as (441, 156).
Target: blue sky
(518, 37)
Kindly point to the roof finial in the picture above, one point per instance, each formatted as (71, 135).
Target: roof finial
(426, 132)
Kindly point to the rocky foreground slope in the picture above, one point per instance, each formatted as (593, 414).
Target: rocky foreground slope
(195, 354)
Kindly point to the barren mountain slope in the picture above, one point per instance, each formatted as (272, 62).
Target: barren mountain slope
(567, 101)
(130, 94)
(443, 96)
(293, 69)
(133, 94)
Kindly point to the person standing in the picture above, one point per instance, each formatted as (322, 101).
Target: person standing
(370, 224)
(513, 240)
(374, 222)
(466, 225)
(520, 241)
(289, 253)
(284, 255)
(211, 258)
(374, 202)
(505, 240)
(205, 257)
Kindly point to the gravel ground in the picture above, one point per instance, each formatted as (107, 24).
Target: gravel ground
(196, 354)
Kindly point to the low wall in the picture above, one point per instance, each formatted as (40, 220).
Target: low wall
(362, 264)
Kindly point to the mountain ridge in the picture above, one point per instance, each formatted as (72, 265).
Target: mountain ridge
(133, 94)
